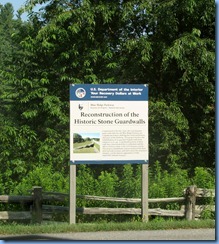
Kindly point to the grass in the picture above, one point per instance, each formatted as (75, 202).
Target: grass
(85, 150)
(93, 149)
(80, 144)
(97, 146)
(15, 229)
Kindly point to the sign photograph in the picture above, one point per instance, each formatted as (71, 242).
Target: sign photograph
(108, 124)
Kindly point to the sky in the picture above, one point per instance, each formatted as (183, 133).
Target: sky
(16, 5)
(90, 135)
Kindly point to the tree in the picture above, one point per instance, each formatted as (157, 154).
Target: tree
(6, 51)
(77, 138)
(184, 54)
(169, 135)
(54, 56)
(14, 143)
(92, 41)
(134, 42)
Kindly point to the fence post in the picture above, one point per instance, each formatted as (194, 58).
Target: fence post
(190, 200)
(37, 204)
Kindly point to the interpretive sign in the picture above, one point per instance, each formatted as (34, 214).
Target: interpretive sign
(108, 124)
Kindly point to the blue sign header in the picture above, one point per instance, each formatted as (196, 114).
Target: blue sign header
(88, 92)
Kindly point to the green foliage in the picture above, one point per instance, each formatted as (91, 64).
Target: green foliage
(165, 184)
(15, 151)
(110, 182)
(118, 42)
(44, 177)
(185, 69)
(169, 133)
(77, 138)
(106, 184)
(130, 183)
(162, 184)
(6, 29)
(204, 178)
(86, 183)
(207, 213)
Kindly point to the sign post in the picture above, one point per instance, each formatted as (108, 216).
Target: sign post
(144, 193)
(108, 125)
(72, 189)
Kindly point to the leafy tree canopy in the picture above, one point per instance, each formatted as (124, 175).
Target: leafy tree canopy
(167, 44)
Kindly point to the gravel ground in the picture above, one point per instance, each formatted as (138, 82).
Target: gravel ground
(179, 234)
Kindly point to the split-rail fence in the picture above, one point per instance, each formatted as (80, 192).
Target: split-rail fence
(39, 211)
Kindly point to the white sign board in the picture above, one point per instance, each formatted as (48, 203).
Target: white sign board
(108, 124)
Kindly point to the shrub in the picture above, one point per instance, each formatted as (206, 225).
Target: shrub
(44, 177)
(204, 178)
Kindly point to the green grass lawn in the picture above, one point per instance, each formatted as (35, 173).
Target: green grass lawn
(94, 149)
(15, 229)
(80, 144)
(85, 150)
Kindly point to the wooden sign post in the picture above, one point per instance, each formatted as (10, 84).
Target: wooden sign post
(144, 193)
(72, 198)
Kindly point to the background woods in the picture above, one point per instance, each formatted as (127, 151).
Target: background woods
(90, 41)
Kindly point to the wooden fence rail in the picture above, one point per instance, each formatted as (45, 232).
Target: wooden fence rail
(38, 211)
